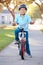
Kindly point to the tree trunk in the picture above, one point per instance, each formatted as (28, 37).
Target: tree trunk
(41, 10)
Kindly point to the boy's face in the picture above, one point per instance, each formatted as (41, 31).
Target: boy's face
(22, 11)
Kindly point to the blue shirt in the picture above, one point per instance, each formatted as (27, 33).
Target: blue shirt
(23, 21)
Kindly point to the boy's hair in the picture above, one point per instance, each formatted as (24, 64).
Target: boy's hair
(22, 6)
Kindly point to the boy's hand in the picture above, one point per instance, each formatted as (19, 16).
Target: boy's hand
(32, 22)
(14, 24)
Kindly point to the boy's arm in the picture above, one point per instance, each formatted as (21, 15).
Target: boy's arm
(14, 23)
(30, 20)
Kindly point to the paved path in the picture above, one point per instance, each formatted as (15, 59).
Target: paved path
(10, 56)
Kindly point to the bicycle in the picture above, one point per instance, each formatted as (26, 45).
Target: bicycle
(22, 43)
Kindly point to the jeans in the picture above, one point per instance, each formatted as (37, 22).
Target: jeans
(27, 42)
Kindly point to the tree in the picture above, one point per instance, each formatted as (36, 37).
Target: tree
(6, 3)
(41, 8)
(1, 7)
(40, 5)
(15, 3)
(34, 11)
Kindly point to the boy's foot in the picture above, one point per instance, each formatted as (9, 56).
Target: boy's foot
(30, 56)
(16, 42)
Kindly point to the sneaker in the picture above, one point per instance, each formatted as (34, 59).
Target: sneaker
(30, 56)
(16, 42)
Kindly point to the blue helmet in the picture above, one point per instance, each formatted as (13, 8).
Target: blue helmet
(22, 6)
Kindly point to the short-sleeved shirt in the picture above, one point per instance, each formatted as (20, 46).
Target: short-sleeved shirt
(23, 21)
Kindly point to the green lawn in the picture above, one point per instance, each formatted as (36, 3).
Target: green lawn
(42, 30)
(6, 37)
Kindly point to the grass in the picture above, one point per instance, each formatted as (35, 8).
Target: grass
(6, 37)
(42, 30)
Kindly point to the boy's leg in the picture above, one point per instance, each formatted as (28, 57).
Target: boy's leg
(27, 44)
(16, 34)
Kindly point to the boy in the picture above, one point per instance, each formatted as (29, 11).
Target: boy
(23, 19)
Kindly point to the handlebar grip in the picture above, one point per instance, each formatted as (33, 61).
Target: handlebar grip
(22, 29)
